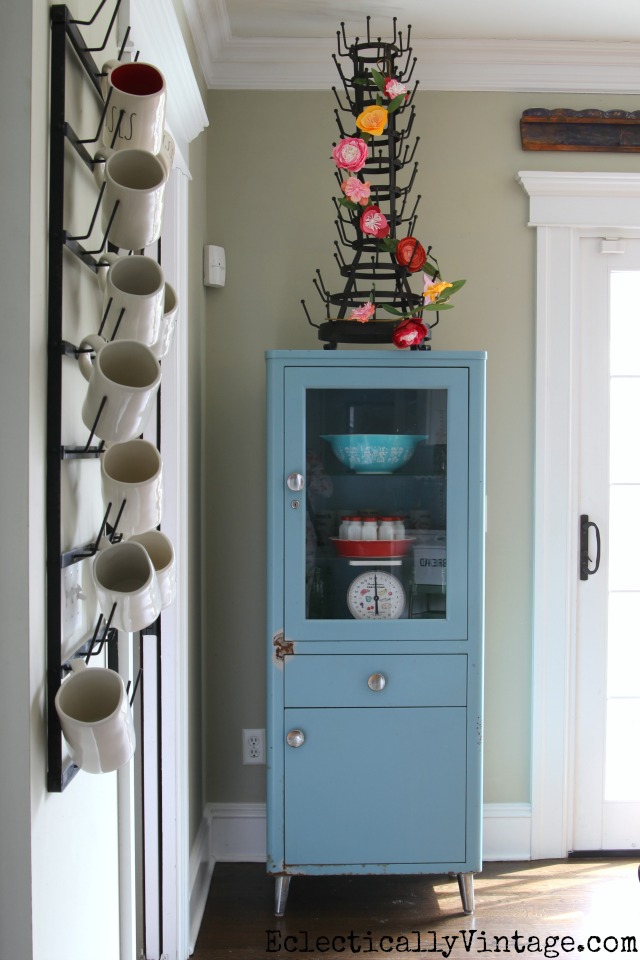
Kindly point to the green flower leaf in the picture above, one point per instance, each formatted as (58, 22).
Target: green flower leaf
(360, 81)
(388, 245)
(378, 79)
(455, 286)
(344, 202)
(390, 309)
(432, 307)
(396, 103)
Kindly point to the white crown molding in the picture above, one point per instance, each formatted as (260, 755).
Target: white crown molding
(550, 183)
(156, 32)
(582, 200)
(230, 63)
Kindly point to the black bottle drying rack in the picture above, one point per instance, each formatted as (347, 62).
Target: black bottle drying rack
(66, 35)
(361, 262)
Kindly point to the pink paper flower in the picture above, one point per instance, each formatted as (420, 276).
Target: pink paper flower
(393, 88)
(374, 223)
(363, 313)
(350, 154)
(357, 191)
(409, 333)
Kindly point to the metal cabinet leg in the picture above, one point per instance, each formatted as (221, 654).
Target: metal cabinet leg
(282, 892)
(465, 883)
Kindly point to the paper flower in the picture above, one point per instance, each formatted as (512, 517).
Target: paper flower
(409, 333)
(433, 289)
(356, 190)
(374, 223)
(373, 120)
(393, 88)
(350, 154)
(364, 313)
(410, 254)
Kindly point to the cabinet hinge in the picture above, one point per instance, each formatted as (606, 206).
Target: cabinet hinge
(284, 648)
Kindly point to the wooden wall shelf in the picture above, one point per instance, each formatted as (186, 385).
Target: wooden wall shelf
(613, 131)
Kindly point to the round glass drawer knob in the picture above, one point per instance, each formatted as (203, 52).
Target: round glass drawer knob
(377, 681)
(295, 738)
(295, 482)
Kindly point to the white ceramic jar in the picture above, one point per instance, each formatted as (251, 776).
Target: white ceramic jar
(398, 528)
(343, 531)
(386, 528)
(369, 528)
(355, 528)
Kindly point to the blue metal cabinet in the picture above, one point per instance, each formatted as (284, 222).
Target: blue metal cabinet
(375, 613)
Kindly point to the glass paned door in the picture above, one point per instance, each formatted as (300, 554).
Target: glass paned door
(622, 774)
(607, 782)
(378, 531)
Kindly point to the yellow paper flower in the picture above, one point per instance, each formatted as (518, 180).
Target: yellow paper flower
(373, 120)
(433, 290)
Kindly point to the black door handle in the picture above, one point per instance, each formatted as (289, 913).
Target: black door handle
(585, 570)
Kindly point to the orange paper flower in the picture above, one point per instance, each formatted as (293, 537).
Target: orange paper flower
(373, 120)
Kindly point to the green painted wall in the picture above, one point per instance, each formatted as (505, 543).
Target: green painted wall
(270, 180)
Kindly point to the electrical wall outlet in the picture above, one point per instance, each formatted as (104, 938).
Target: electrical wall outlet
(252, 746)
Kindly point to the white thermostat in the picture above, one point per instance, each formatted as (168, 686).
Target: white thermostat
(214, 266)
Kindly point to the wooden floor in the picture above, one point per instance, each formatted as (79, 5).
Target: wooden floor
(526, 905)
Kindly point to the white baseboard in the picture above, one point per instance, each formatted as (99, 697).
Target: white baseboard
(238, 831)
(506, 831)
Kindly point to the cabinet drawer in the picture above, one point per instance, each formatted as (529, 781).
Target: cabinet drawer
(342, 681)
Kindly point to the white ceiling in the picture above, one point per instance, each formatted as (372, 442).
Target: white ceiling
(576, 45)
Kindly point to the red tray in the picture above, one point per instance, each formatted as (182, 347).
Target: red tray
(371, 548)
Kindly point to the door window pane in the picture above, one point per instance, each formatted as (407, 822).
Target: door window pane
(622, 776)
(624, 447)
(624, 536)
(623, 654)
(624, 328)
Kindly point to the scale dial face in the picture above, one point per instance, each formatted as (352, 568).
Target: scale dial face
(376, 595)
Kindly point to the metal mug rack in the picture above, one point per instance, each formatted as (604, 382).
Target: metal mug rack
(65, 35)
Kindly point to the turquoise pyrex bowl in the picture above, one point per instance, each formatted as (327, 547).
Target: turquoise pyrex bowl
(374, 452)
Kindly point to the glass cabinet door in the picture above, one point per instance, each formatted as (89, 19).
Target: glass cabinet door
(375, 503)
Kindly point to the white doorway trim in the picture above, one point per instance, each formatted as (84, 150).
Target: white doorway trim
(564, 207)
(156, 34)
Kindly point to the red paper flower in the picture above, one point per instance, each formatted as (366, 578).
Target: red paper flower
(409, 333)
(374, 223)
(410, 254)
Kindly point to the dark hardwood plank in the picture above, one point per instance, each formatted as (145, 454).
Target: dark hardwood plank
(334, 916)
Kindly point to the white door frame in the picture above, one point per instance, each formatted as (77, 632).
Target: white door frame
(157, 36)
(564, 207)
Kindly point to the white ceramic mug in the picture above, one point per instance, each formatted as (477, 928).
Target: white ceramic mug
(127, 374)
(168, 323)
(137, 105)
(124, 575)
(131, 473)
(135, 179)
(95, 716)
(162, 556)
(134, 294)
